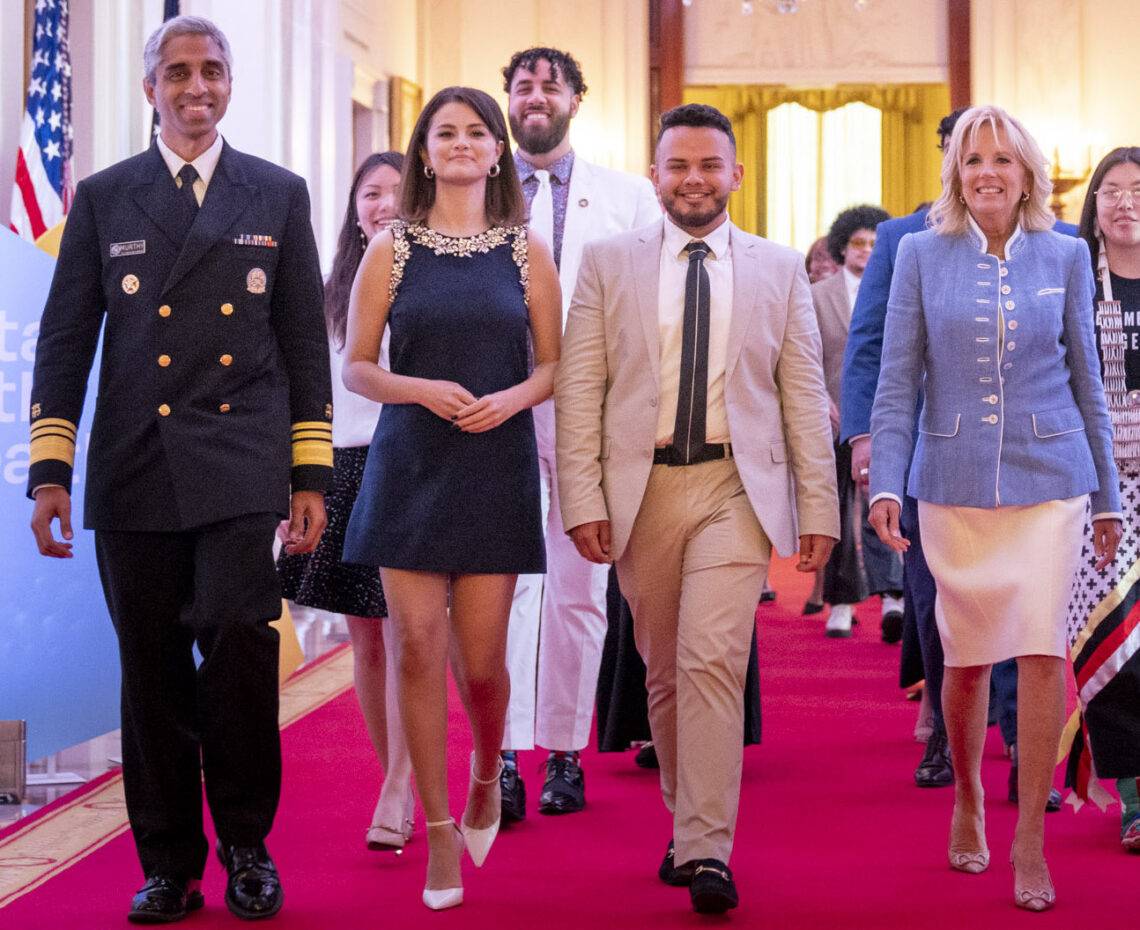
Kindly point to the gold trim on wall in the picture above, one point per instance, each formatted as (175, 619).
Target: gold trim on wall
(405, 100)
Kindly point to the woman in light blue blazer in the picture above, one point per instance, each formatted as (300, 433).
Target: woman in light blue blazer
(990, 315)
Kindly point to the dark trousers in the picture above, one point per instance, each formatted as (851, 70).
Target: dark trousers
(919, 628)
(845, 580)
(214, 587)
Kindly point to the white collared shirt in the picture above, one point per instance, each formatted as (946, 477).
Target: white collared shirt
(204, 164)
(671, 318)
(852, 283)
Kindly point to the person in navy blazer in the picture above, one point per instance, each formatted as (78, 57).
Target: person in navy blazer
(213, 421)
(921, 658)
(989, 315)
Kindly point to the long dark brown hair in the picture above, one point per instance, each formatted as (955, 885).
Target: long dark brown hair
(1117, 156)
(503, 202)
(350, 246)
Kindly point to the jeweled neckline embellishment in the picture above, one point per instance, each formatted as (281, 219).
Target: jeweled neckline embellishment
(461, 246)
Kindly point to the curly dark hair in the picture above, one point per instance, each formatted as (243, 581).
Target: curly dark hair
(562, 64)
(698, 115)
(864, 216)
(350, 247)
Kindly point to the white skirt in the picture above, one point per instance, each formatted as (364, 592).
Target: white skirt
(1004, 577)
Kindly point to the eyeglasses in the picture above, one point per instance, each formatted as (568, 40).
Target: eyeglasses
(1113, 195)
(861, 242)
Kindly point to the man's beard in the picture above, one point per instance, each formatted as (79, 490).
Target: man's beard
(538, 141)
(692, 220)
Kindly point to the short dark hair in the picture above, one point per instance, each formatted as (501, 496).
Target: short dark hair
(503, 201)
(562, 64)
(946, 127)
(350, 246)
(182, 26)
(1087, 230)
(698, 115)
(864, 216)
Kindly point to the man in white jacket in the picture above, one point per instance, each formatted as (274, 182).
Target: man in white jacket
(558, 622)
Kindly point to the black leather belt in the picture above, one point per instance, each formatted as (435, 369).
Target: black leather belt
(671, 455)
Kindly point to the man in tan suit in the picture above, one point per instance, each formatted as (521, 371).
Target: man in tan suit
(692, 437)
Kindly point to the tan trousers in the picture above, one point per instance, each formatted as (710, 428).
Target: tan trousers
(692, 573)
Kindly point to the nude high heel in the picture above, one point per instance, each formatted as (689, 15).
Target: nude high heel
(439, 899)
(382, 837)
(479, 839)
(1032, 899)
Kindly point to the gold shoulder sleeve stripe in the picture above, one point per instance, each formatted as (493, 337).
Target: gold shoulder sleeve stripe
(53, 439)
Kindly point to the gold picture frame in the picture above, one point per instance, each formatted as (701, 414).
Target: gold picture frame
(405, 100)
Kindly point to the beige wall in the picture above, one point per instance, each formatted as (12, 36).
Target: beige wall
(1068, 69)
(466, 42)
(1055, 64)
(824, 42)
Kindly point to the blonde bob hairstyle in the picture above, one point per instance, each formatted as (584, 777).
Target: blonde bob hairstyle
(948, 214)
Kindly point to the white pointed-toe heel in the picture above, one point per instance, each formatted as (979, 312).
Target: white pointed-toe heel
(479, 839)
(439, 899)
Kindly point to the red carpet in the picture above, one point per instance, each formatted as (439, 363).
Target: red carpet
(832, 833)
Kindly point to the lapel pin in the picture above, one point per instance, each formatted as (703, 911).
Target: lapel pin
(130, 284)
(255, 281)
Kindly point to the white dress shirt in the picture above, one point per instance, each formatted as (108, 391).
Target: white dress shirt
(671, 318)
(204, 164)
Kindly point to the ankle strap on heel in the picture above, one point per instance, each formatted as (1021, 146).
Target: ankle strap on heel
(486, 781)
(441, 823)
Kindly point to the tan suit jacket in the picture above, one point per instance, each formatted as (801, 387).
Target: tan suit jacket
(608, 385)
(833, 312)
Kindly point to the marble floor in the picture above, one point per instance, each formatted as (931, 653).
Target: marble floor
(54, 776)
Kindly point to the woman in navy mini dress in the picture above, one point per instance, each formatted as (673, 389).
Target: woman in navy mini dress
(449, 507)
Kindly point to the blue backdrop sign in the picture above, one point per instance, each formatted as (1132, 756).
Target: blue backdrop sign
(59, 665)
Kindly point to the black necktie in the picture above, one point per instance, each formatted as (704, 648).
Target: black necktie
(689, 430)
(188, 175)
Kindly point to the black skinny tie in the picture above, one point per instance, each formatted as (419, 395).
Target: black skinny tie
(188, 175)
(689, 430)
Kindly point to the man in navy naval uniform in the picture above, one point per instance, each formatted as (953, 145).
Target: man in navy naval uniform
(213, 422)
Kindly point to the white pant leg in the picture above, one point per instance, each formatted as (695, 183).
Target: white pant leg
(573, 630)
(526, 609)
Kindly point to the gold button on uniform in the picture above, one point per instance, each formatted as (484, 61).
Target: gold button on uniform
(164, 310)
(164, 410)
(164, 360)
(224, 408)
(226, 359)
(227, 309)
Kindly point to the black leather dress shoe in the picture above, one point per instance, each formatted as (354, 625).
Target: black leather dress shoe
(712, 891)
(671, 874)
(164, 899)
(1052, 803)
(646, 757)
(935, 770)
(513, 790)
(564, 789)
(254, 889)
(891, 627)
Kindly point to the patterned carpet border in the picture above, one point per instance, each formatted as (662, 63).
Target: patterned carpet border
(67, 831)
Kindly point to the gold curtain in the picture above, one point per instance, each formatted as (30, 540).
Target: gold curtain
(911, 112)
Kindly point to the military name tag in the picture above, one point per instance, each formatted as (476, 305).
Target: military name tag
(130, 283)
(119, 249)
(255, 281)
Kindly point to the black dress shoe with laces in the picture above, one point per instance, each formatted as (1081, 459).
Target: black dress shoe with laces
(564, 788)
(253, 891)
(712, 890)
(164, 899)
(513, 791)
(672, 874)
(935, 770)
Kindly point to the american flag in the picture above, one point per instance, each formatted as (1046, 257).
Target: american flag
(43, 189)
